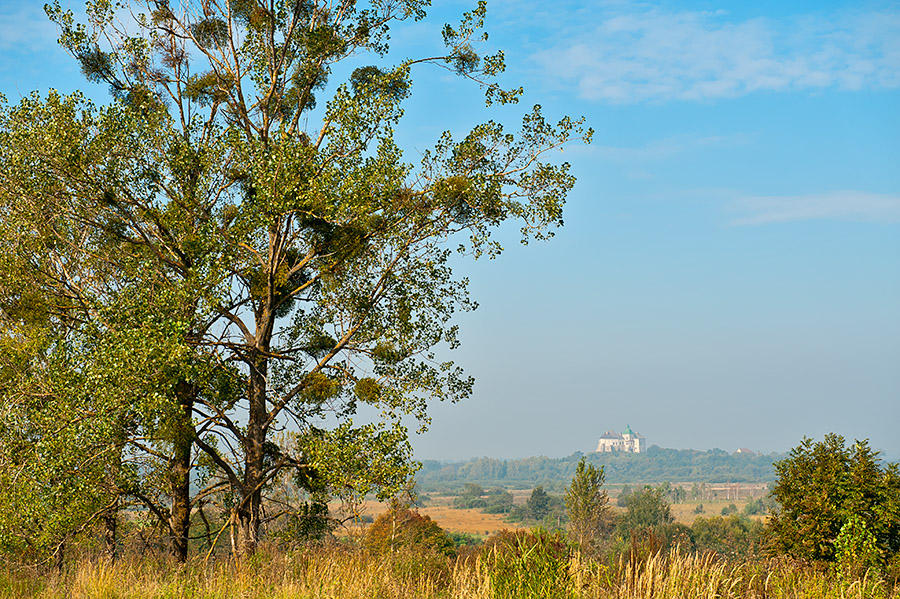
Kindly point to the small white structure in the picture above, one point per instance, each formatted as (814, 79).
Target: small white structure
(627, 441)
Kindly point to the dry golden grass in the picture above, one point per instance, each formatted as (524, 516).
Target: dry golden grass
(451, 519)
(468, 521)
(525, 572)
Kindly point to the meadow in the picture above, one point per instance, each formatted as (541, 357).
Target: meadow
(539, 567)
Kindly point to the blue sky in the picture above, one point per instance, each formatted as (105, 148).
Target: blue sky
(729, 271)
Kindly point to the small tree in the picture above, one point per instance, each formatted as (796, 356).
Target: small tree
(646, 508)
(587, 504)
(538, 504)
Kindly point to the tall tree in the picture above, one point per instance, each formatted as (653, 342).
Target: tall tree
(79, 219)
(587, 504)
(308, 265)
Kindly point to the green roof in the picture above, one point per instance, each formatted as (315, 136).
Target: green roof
(628, 430)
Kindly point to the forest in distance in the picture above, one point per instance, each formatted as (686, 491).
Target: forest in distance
(656, 465)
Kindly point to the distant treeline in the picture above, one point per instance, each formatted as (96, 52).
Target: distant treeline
(655, 466)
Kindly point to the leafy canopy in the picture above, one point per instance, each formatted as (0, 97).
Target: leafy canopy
(826, 487)
(237, 246)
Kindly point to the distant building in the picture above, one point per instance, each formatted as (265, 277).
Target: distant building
(745, 451)
(627, 441)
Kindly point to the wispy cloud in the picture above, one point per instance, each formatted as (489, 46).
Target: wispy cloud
(836, 205)
(25, 26)
(637, 55)
(661, 149)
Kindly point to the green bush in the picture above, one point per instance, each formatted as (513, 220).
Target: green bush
(402, 528)
(756, 506)
(734, 536)
(856, 549)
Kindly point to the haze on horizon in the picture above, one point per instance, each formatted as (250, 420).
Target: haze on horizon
(729, 271)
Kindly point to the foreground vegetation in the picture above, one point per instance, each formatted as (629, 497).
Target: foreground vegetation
(529, 566)
(640, 552)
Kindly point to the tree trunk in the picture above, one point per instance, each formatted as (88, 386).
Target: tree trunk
(249, 510)
(110, 530)
(110, 515)
(59, 562)
(180, 472)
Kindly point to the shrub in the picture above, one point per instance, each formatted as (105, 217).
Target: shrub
(754, 507)
(402, 528)
(856, 549)
(732, 536)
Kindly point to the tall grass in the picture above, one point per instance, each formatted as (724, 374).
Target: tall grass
(541, 570)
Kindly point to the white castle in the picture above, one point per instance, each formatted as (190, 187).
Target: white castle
(627, 441)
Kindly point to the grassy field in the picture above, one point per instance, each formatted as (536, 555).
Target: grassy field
(474, 522)
(544, 569)
(441, 510)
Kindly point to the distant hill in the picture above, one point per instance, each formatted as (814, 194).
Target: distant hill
(656, 465)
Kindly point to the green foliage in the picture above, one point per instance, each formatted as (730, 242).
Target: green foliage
(309, 522)
(492, 501)
(677, 494)
(587, 505)
(211, 262)
(470, 497)
(645, 508)
(540, 509)
(402, 528)
(538, 503)
(823, 486)
(856, 549)
(732, 536)
(463, 539)
(754, 507)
